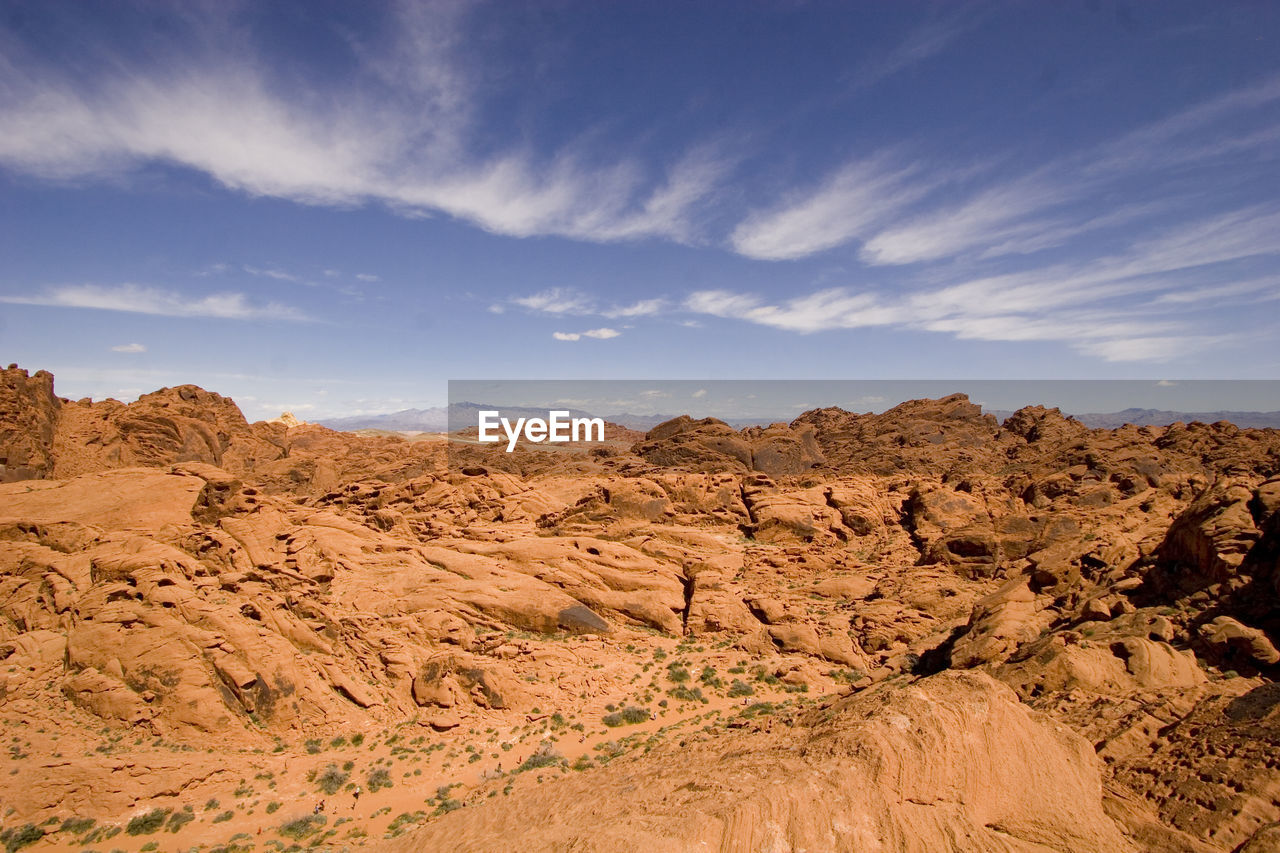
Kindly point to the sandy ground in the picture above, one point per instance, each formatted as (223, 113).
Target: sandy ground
(259, 805)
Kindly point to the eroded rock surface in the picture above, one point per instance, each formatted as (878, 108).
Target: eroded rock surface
(916, 630)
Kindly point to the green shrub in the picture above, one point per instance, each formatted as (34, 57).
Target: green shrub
(302, 827)
(180, 819)
(145, 824)
(224, 817)
(313, 745)
(629, 715)
(357, 739)
(273, 807)
(447, 806)
(77, 825)
(684, 694)
(332, 779)
(16, 839)
(546, 756)
(740, 688)
(378, 779)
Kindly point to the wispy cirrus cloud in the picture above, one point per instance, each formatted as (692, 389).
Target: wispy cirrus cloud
(891, 205)
(1132, 306)
(568, 302)
(140, 299)
(922, 43)
(602, 334)
(398, 132)
(856, 199)
(129, 348)
(272, 272)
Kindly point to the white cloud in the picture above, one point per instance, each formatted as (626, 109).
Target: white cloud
(277, 274)
(398, 131)
(699, 394)
(370, 277)
(599, 334)
(997, 215)
(857, 198)
(1145, 348)
(883, 199)
(922, 43)
(137, 299)
(565, 302)
(835, 308)
(1091, 304)
(643, 308)
(1156, 144)
(556, 301)
(129, 348)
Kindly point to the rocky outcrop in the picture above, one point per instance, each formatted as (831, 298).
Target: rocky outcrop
(953, 762)
(712, 445)
(28, 420)
(818, 630)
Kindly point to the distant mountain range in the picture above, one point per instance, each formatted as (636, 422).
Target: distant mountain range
(1160, 417)
(436, 419)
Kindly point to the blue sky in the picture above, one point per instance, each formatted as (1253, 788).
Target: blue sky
(334, 207)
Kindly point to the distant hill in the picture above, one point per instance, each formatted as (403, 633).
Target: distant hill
(644, 423)
(1161, 417)
(436, 419)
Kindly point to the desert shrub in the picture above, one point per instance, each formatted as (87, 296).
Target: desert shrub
(77, 825)
(357, 739)
(273, 807)
(740, 688)
(313, 745)
(546, 756)
(378, 779)
(180, 819)
(684, 694)
(405, 820)
(302, 827)
(224, 817)
(145, 824)
(447, 806)
(19, 837)
(629, 715)
(332, 779)
(678, 673)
